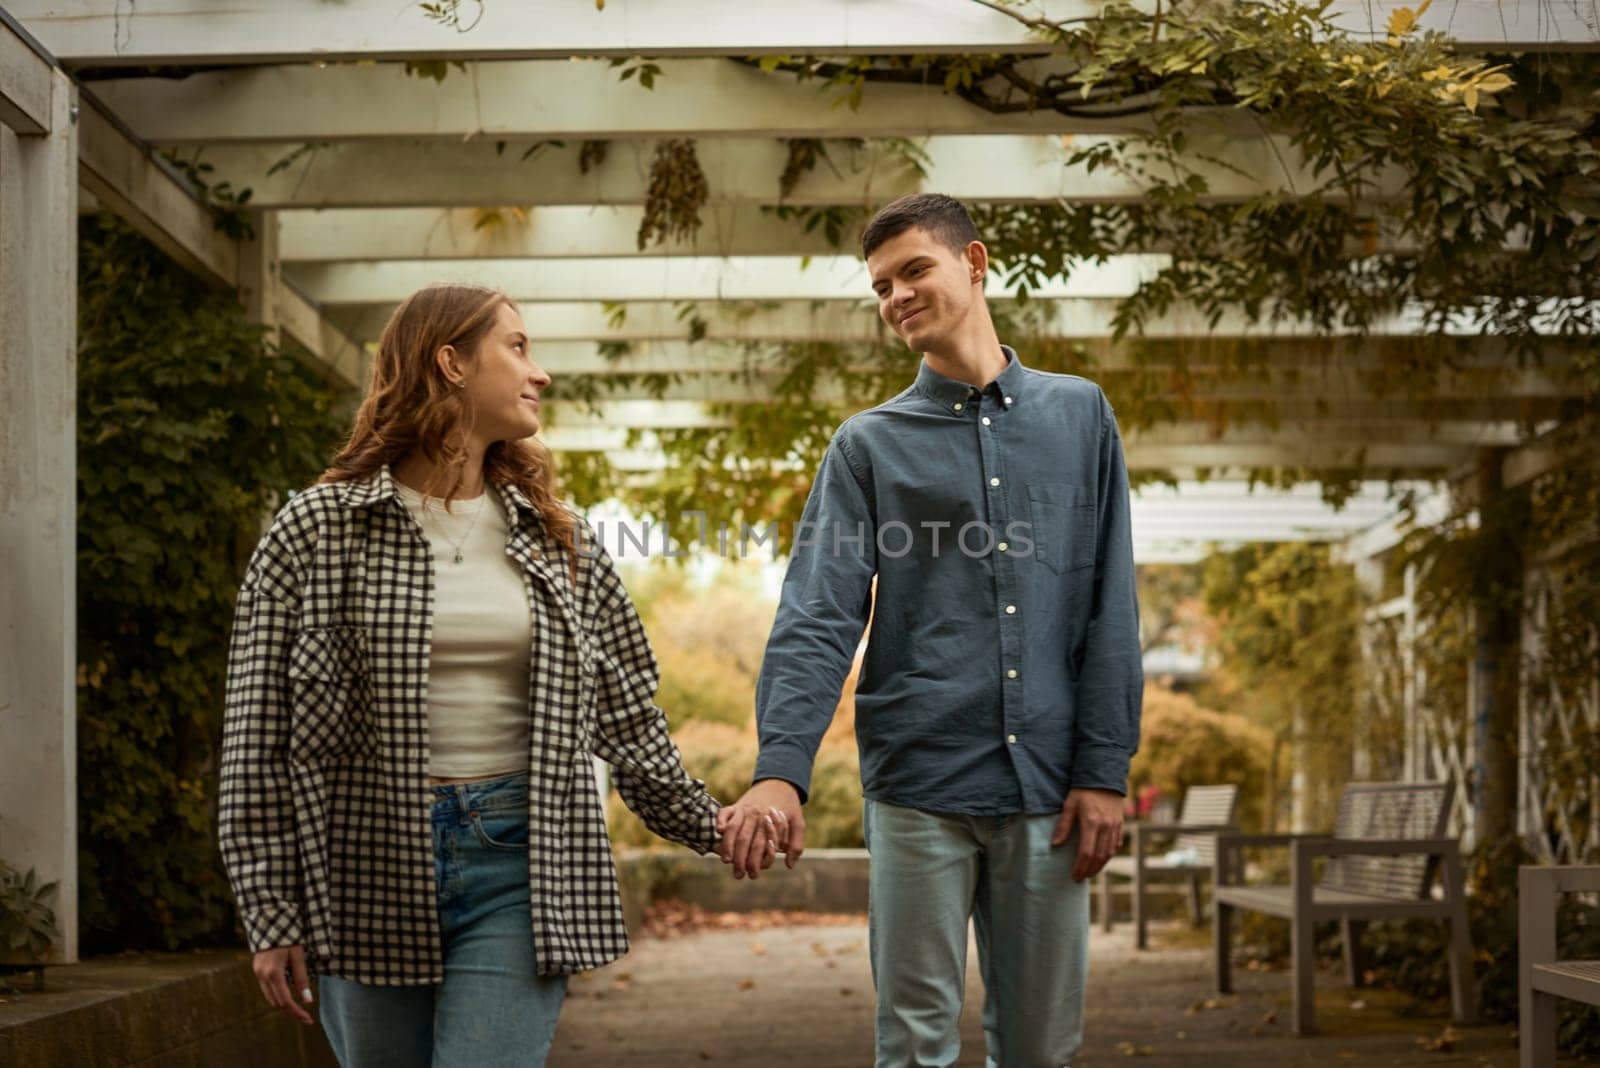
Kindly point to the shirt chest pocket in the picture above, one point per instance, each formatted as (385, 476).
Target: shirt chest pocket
(332, 695)
(1063, 524)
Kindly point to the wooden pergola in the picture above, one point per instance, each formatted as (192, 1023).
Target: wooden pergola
(388, 174)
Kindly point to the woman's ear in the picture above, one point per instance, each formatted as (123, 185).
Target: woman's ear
(446, 358)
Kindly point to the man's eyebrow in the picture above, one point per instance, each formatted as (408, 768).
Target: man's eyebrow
(912, 262)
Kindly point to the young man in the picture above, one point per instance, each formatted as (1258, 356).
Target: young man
(998, 705)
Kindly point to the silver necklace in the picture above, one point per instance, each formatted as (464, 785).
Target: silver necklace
(483, 502)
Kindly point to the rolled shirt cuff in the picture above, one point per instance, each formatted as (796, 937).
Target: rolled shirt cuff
(1101, 767)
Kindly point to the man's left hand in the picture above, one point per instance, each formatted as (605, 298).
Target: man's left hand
(1097, 814)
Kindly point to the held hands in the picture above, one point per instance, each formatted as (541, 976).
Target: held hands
(1098, 817)
(270, 966)
(765, 821)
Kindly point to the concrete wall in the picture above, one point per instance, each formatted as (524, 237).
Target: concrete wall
(825, 880)
(179, 1010)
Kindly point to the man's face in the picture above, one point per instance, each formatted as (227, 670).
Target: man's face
(925, 289)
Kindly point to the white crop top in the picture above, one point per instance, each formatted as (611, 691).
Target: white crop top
(482, 636)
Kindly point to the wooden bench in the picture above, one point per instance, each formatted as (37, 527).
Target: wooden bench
(1542, 977)
(1206, 810)
(1387, 844)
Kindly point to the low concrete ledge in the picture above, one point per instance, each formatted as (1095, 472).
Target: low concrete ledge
(825, 880)
(168, 1010)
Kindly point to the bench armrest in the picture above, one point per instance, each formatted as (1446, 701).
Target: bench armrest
(1559, 879)
(1539, 890)
(1229, 846)
(1140, 827)
(1380, 847)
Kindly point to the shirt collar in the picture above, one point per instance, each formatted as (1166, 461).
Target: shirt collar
(947, 392)
(381, 485)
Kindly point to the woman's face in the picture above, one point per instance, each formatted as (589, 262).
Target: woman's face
(503, 383)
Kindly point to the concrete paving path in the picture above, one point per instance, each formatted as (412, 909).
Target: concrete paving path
(802, 995)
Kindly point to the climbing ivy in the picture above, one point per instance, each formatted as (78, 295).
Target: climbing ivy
(190, 427)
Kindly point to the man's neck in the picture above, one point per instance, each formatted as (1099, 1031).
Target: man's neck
(976, 364)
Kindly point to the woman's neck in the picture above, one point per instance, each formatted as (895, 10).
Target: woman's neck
(416, 471)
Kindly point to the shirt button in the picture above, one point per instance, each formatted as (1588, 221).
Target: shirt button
(1002, 546)
(1011, 739)
(1011, 609)
(994, 482)
(1008, 400)
(1012, 673)
(986, 420)
(958, 407)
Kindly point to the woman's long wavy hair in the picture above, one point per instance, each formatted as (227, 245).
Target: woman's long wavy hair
(410, 404)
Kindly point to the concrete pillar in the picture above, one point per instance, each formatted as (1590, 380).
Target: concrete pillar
(38, 504)
(260, 274)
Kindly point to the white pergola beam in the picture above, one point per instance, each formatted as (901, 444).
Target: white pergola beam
(1341, 393)
(738, 170)
(128, 178)
(758, 278)
(132, 181)
(195, 32)
(1293, 364)
(534, 99)
(1406, 457)
(333, 352)
(650, 323)
(344, 235)
(564, 417)
(347, 235)
(26, 81)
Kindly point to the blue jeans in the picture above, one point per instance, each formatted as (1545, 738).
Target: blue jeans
(492, 1009)
(930, 874)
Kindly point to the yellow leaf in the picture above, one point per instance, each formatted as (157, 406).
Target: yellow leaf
(1403, 20)
(1494, 83)
(1469, 96)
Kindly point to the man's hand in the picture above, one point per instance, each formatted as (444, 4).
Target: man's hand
(1098, 817)
(270, 966)
(768, 812)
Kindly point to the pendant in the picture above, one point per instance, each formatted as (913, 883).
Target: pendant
(458, 556)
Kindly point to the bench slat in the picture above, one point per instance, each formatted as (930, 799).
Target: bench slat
(1206, 805)
(1388, 810)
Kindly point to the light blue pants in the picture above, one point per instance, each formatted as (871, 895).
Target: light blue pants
(492, 1010)
(932, 873)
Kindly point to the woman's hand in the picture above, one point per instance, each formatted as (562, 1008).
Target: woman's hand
(273, 968)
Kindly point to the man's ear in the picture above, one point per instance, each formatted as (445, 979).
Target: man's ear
(977, 258)
(447, 359)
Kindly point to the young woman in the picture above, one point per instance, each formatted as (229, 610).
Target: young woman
(428, 648)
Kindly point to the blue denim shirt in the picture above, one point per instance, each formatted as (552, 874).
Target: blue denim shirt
(1003, 666)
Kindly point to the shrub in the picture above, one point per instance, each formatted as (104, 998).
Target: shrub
(1183, 744)
(725, 757)
(190, 427)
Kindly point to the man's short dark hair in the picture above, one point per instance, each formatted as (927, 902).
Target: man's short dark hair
(943, 217)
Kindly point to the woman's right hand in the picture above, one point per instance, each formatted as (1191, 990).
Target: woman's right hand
(279, 969)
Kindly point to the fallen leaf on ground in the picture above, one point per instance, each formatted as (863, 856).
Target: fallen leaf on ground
(669, 919)
(747, 984)
(758, 949)
(1444, 1043)
(1128, 1049)
(1271, 1017)
(1203, 1004)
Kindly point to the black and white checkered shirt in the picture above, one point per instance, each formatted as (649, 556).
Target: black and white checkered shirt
(325, 809)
